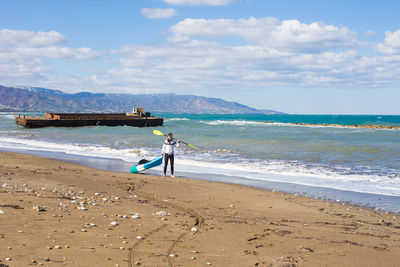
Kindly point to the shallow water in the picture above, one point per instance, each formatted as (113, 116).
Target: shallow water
(350, 159)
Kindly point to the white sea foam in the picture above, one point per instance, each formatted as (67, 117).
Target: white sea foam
(295, 175)
(233, 122)
(130, 155)
(8, 116)
(260, 123)
(223, 164)
(177, 119)
(271, 124)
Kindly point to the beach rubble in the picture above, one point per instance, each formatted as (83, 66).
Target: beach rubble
(136, 216)
(162, 213)
(39, 208)
(114, 223)
(373, 226)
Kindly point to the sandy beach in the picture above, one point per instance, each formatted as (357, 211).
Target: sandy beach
(55, 213)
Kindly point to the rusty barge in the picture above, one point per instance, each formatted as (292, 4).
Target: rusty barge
(137, 118)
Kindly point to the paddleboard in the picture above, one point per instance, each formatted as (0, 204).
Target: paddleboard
(147, 165)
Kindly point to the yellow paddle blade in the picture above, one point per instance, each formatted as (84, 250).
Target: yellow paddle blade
(157, 132)
(193, 146)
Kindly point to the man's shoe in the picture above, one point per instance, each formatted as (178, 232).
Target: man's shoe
(172, 175)
(165, 175)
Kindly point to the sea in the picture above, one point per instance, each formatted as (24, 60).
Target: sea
(360, 166)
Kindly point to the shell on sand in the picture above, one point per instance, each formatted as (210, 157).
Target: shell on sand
(162, 213)
(136, 216)
(114, 223)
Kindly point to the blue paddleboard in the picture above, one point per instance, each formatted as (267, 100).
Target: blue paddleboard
(148, 165)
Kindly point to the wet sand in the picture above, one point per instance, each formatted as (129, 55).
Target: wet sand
(100, 218)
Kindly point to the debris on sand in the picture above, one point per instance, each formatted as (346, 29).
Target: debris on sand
(136, 216)
(162, 213)
(39, 208)
(194, 230)
(307, 249)
(82, 207)
(114, 223)
(89, 225)
(1, 212)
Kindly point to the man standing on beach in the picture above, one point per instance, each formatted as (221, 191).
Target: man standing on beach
(168, 153)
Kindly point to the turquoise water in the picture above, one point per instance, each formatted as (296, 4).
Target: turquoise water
(352, 159)
(286, 118)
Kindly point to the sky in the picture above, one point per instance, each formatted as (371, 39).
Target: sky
(295, 56)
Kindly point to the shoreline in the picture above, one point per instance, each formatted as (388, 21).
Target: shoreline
(372, 201)
(180, 221)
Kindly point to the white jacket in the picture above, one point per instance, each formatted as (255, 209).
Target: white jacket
(168, 147)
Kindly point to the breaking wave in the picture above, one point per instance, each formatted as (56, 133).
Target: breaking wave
(228, 163)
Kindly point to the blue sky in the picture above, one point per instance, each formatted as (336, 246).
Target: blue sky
(340, 57)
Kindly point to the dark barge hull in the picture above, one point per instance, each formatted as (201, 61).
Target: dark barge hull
(79, 120)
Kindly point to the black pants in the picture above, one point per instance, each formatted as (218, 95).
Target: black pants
(166, 158)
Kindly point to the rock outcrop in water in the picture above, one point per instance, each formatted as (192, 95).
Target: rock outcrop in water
(341, 125)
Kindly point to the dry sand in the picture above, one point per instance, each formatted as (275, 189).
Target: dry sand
(182, 222)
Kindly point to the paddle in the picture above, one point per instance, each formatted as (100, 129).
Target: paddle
(157, 132)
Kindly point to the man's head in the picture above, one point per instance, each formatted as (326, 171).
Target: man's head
(170, 136)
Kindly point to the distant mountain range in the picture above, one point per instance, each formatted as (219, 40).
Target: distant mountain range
(35, 99)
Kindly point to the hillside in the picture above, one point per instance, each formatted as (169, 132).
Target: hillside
(47, 100)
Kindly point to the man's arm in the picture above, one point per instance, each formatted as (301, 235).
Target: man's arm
(178, 142)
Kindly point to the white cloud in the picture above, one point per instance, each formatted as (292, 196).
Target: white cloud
(30, 39)
(269, 32)
(22, 54)
(203, 67)
(158, 13)
(273, 53)
(391, 44)
(18, 45)
(200, 2)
